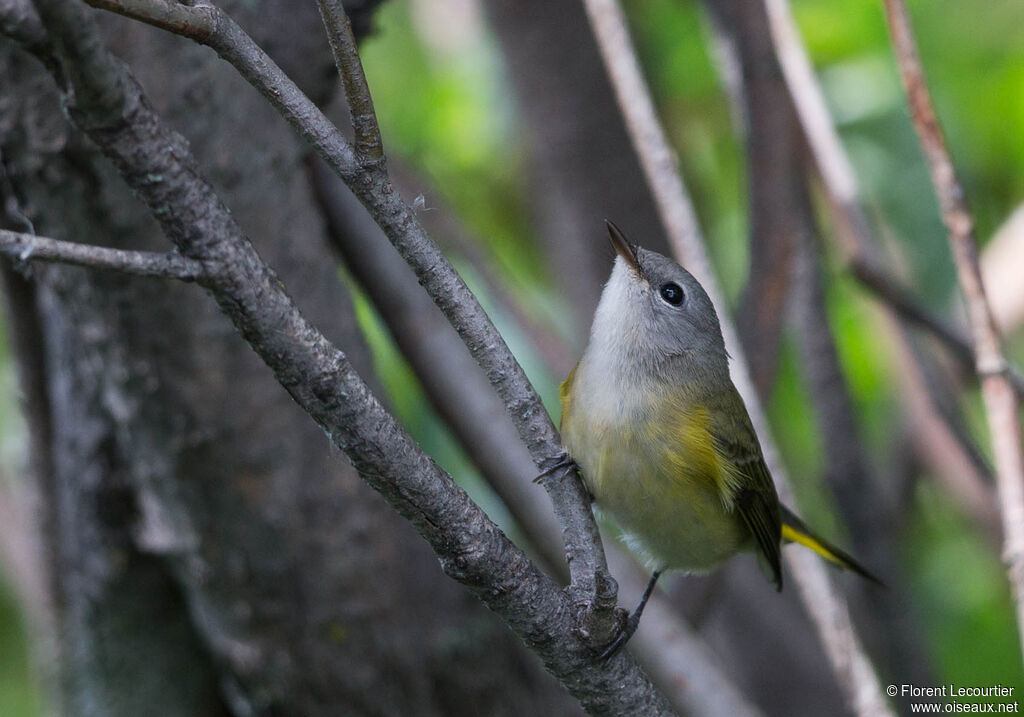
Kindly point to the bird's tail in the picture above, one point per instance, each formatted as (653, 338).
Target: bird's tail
(795, 531)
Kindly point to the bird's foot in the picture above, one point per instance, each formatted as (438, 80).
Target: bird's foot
(560, 466)
(631, 623)
(627, 627)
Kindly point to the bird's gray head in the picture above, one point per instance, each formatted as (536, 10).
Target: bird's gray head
(655, 317)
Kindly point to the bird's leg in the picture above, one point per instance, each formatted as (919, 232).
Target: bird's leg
(561, 465)
(632, 622)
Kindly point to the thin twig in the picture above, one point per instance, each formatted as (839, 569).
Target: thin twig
(471, 548)
(859, 249)
(369, 145)
(896, 295)
(208, 25)
(1001, 402)
(28, 247)
(828, 610)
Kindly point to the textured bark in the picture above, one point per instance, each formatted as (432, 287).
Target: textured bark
(116, 115)
(215, 555)
(581, 163)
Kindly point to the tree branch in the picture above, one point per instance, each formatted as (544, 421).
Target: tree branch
(1001, 402)
(157, 164)
(28, 247)
(208, 25)
(369, 146)
(828, 610)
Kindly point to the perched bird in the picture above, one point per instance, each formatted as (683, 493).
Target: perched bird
(661, 435)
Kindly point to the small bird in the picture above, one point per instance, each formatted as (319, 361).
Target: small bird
(662, 437)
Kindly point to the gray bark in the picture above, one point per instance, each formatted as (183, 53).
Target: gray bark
(214, 553)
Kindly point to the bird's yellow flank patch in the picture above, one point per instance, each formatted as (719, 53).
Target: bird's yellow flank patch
(693, 452)
(564, 392)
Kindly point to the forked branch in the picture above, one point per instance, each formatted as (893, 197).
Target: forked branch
(369, 145)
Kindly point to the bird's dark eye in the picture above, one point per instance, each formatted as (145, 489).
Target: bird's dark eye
(671, 293)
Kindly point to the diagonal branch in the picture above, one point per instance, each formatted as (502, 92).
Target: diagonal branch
(208, 25)
(369, 146)
(1001, 402)
(109, 106)
(171, 265)
(827, 609)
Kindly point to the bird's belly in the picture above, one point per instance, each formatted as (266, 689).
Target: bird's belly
(674, 519)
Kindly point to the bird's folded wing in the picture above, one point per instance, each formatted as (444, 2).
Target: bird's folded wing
(746, 484)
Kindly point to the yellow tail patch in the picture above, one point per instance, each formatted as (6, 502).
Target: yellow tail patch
(793, 535)
(834, 555)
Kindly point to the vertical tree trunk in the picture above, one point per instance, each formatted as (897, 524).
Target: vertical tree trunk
(212, 554)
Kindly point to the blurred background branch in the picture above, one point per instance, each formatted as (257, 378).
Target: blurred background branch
(1002, 404)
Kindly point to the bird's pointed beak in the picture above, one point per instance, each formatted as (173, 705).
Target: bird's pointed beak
(622, 247)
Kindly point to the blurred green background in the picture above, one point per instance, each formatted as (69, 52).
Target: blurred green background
(446, 110)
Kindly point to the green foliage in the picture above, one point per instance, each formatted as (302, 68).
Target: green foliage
(19, 695)
(960, 589)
